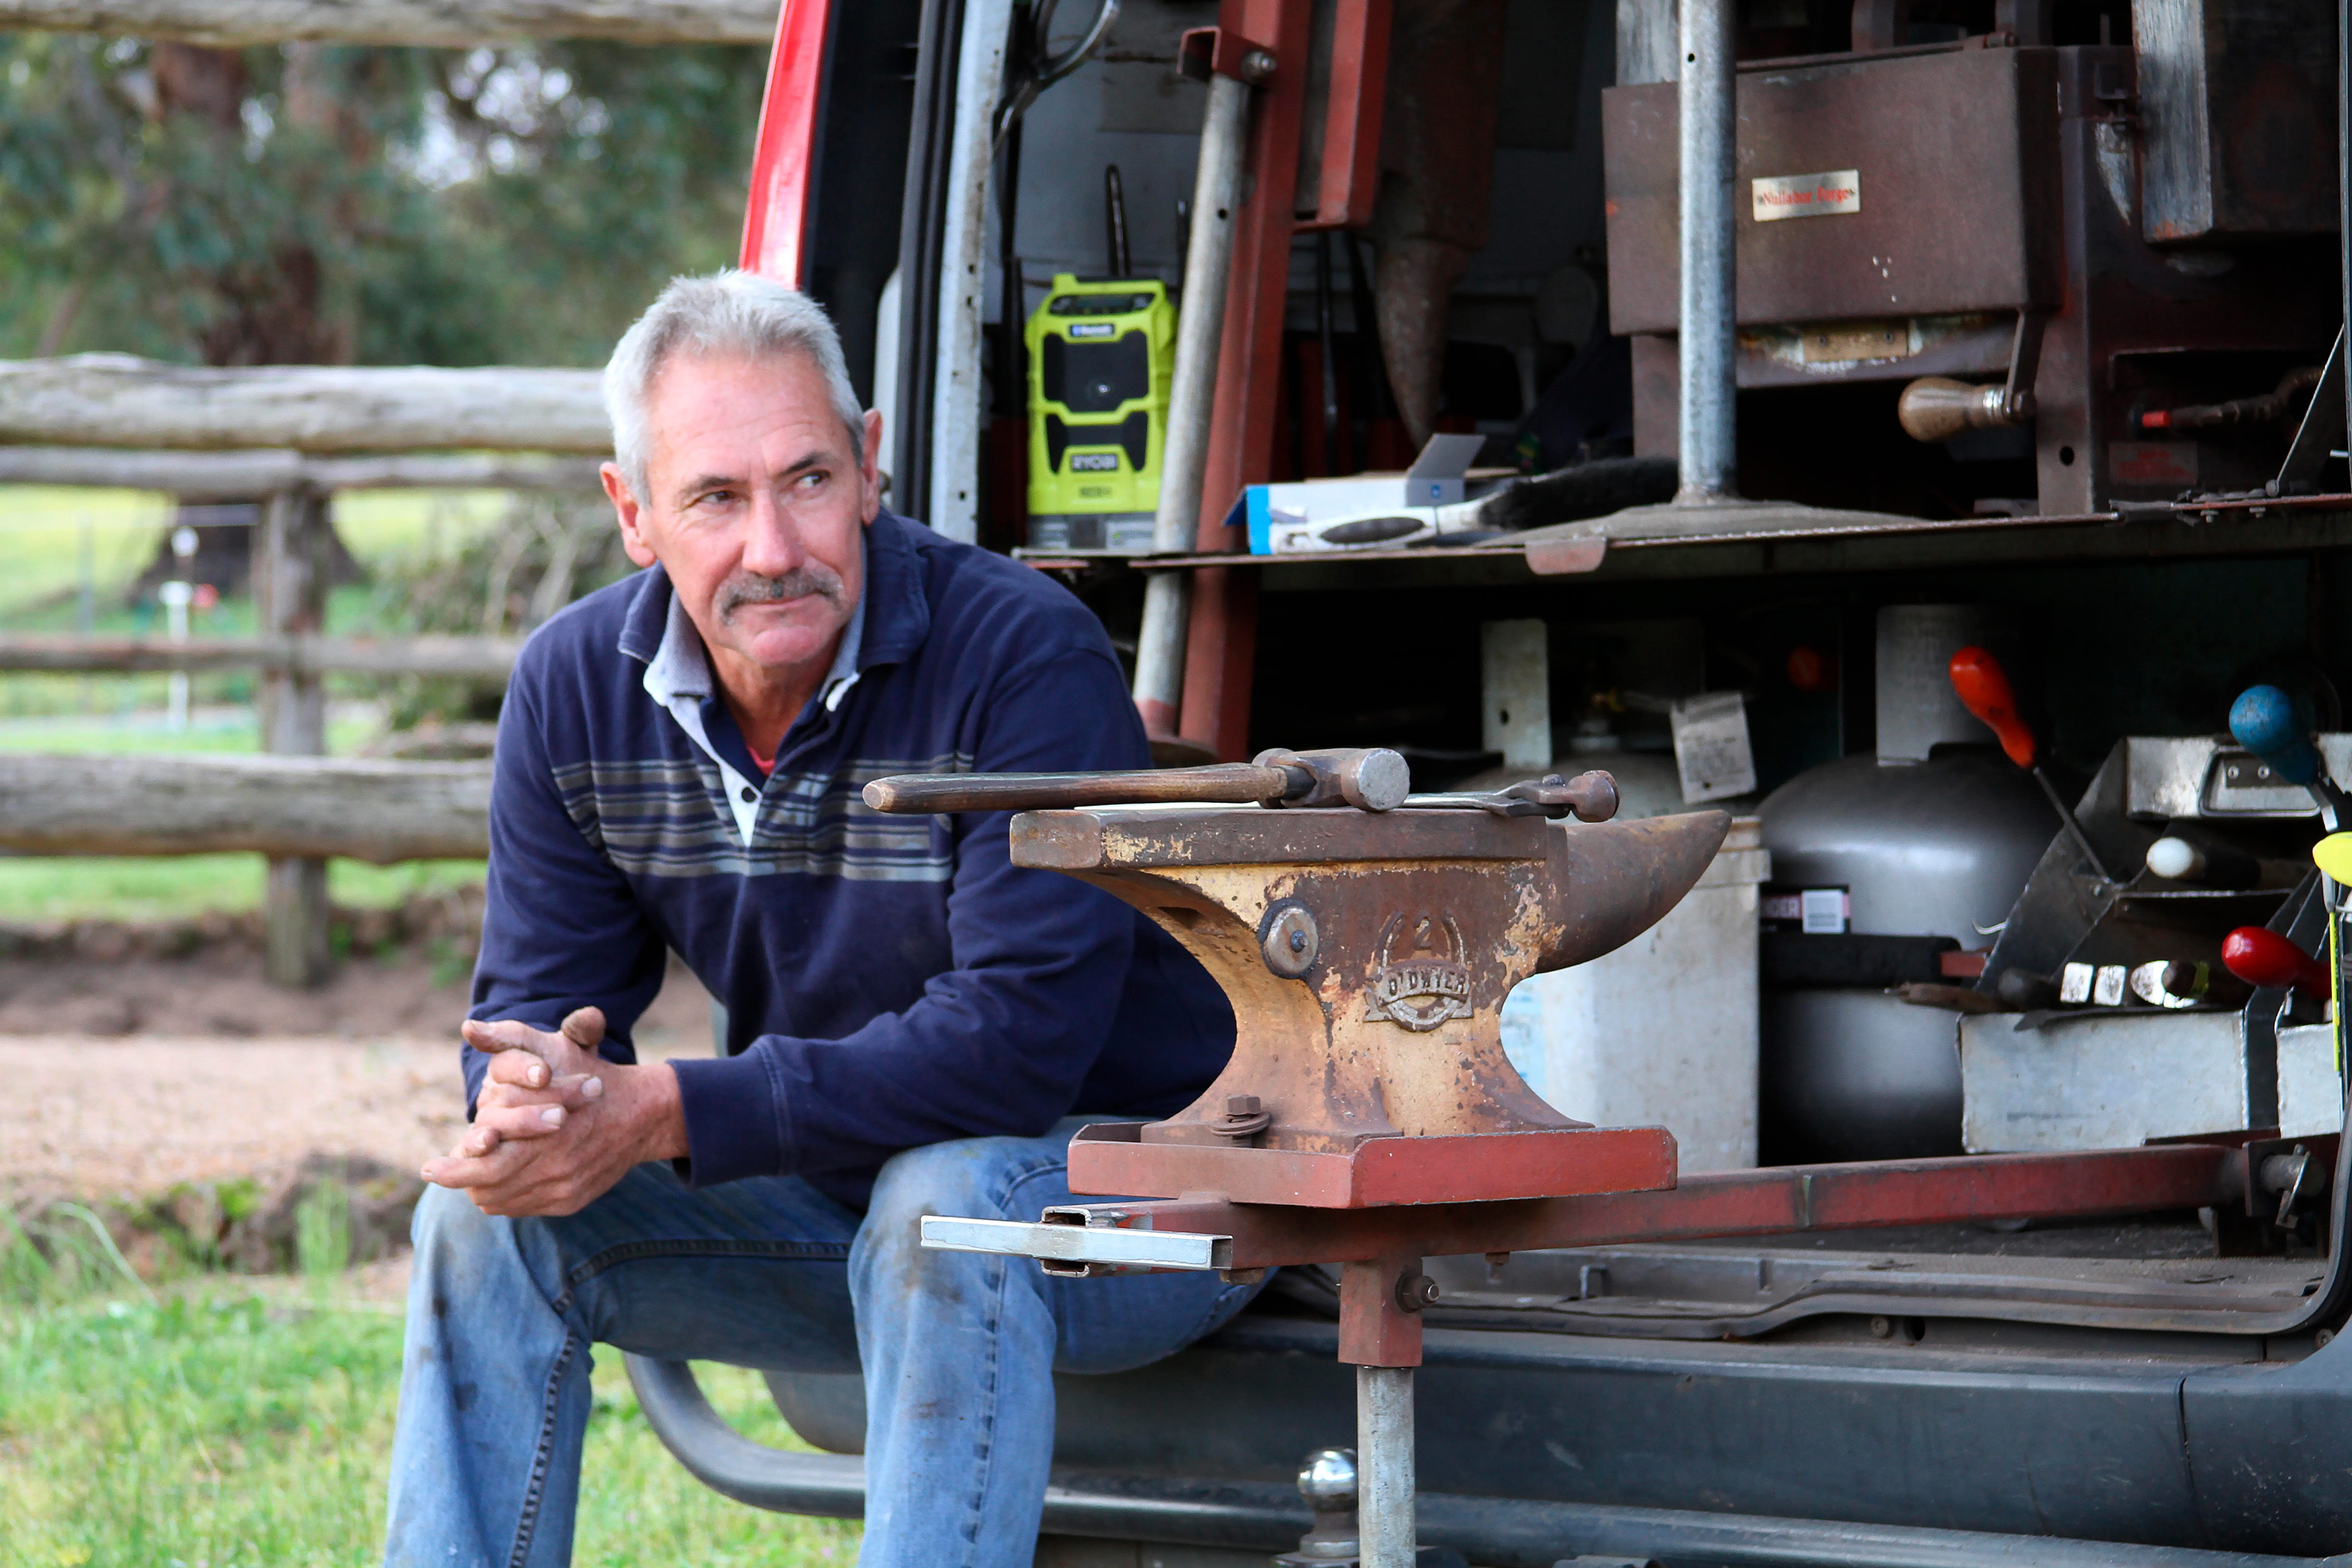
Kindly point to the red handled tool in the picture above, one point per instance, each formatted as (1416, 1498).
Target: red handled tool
(1984, 690)
(2262, 957)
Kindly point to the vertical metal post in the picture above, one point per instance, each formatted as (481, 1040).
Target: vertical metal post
(957, 407)
(1384, 1473)
(1706, 104)
(1199, 328)
(290, 597)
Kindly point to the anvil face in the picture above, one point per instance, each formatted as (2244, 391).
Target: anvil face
(1367, 956)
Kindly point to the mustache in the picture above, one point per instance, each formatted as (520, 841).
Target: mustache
(742, 588)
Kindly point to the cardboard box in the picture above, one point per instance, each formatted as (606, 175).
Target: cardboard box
(1362, 510)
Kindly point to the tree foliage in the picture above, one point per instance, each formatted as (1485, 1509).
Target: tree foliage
(317, 202)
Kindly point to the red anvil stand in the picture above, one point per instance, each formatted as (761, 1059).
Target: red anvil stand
(1368, 1117)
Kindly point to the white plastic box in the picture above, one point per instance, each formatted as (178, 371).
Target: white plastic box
(1661, 1032)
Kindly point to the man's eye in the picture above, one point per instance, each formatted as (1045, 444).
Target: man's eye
(810, 479)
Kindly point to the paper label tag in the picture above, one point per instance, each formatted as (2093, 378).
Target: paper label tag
(1824, 911)
(1807, 195)
(1711, 748)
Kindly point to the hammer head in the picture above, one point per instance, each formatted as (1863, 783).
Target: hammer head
(1367, 956)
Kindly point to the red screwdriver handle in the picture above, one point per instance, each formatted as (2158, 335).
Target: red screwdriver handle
(1984, 690)
(2262, 957)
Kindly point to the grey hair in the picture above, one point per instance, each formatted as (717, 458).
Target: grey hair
(726, 312)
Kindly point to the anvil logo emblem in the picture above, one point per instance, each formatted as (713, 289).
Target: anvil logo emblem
(1421, 981)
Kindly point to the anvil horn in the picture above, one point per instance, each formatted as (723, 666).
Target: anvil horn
(1611, 881)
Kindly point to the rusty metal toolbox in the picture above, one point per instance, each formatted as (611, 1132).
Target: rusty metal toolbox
(1913, 185)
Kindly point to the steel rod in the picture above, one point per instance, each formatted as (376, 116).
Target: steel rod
(2082, 840)
(1208, 268)
(1384, 1471)
(1709, 448)
(1236, 784)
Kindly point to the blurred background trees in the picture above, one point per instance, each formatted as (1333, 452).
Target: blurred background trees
(323, 204)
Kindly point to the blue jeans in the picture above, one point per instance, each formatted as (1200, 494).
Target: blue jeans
(958, 1349)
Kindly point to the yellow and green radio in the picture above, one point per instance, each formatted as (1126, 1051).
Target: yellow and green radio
(1101, 356)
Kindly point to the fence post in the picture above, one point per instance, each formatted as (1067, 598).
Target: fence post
(290, 597)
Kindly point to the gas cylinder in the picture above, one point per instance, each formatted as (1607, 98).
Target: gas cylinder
(1933, 836)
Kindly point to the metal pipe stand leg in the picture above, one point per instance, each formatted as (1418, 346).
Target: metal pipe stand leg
(1384, 1484)
(1208, 266)
(1707, 341)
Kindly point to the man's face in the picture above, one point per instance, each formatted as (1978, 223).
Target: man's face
(755, 506)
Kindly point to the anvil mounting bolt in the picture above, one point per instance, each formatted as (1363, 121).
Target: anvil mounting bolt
(1243, 1117)
(1415, 1291)
(1288, 939)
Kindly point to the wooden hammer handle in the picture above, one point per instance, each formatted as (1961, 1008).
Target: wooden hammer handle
(1229, 782)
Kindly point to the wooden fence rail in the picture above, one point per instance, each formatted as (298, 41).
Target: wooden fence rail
(486, 659)
(243, 476)
(281, 806)
(116, 400)
(433, 23)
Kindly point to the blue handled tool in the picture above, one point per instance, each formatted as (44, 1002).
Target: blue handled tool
(2264, 721)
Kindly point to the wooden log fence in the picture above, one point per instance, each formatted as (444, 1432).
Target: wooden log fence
(426, 22)
(299, 808)
(243, 476)
(287, 435)
(488, 660)
(116, 400)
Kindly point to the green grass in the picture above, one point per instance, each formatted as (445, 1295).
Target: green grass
(43, 532)
(225, 1430)
(376, 525)
(183, 887)
(209, 730)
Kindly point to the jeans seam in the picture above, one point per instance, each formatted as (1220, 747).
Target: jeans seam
(1001, 1198)
(529, 1525)
(612, 1257)
(978, 1511)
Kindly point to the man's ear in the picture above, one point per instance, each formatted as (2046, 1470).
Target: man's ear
(626, 507)
(872, 465)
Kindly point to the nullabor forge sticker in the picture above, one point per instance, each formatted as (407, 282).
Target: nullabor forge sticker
(1808, 196)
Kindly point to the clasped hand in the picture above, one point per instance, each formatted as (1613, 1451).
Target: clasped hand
(556, 1125)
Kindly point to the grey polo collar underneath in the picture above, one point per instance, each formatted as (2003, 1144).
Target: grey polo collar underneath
(679, 677)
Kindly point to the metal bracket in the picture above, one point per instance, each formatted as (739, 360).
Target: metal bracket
(1085, 1241)
(2284, 1175)
(1204, 52)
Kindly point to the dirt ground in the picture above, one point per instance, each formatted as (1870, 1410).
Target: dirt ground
(124, 1079)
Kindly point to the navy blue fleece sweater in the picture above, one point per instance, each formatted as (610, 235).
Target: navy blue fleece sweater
(889, 981)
